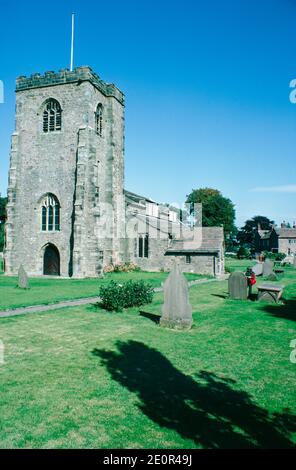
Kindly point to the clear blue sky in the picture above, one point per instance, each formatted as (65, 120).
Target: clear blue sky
(206, 84)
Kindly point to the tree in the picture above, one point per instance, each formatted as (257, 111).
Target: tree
(3, 202)
(217, 211)
(246, 235)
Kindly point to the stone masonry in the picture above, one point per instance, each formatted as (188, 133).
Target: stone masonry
(75, 164)
(79, 164)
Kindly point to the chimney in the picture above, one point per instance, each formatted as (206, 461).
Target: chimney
(259, 226)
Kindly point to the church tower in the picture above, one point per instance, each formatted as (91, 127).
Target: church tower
(66, 168)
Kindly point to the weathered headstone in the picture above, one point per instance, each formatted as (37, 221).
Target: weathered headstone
(268, 267)
(258, 269)
(294, 261)
(176, 310)
(272, 277)
(238, 286)
(23, 280)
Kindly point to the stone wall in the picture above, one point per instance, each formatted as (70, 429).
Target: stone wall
(287, 245)
(76, 165)
(157, 260)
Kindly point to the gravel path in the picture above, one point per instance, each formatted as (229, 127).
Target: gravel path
(73, 303)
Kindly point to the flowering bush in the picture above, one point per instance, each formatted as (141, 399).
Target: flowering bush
(121, 268)
(116, 296)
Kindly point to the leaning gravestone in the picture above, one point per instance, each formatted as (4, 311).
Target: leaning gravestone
(176, 310)
(23, 281)
(268, 267)
(258, 269)
(238, 286)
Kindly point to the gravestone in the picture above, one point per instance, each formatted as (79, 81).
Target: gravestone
(176, 310)
(294, 261)
(238, 286)
(23, 281)
(268, 267)
(272, 277)
(258, 269)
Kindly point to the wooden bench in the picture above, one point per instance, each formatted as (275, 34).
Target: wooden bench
(270, 292)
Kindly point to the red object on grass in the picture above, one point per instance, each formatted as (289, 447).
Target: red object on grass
(252, 279)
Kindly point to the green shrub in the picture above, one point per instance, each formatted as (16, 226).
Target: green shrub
(231, 255)
(115, 297)
(243, 252)
(121, 268)
(274, 256)
(228, 269)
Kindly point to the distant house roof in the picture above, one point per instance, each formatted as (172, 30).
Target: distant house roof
(285, 232)
(264, 234)
(211, 242)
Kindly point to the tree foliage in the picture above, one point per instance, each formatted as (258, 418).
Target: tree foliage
(217, 211)
(246, 235)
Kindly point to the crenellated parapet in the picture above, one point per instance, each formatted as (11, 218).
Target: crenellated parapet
(78, 75)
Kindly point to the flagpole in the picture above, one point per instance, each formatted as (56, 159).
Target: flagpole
(72, 43)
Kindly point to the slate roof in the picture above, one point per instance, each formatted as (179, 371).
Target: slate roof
(211, 242)
(286, 232)
(133, 197)
(264, 234)
(158, 223)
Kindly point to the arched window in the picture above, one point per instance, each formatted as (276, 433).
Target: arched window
(52, 116)
(50, 213)
(99, 119)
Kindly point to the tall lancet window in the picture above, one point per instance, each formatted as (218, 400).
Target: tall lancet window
(99, 120)
(50, 213)
(52, 116)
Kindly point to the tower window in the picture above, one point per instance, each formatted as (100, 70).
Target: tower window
(52, 116)
(188, 259)
(99, 120)
(50, 214)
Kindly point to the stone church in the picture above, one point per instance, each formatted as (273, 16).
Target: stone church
(68, 213)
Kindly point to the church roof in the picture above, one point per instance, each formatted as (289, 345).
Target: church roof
(160, 224)
(133, 197)
(137, 198)
(212, 239)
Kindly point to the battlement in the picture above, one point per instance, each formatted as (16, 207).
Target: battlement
(64, 76)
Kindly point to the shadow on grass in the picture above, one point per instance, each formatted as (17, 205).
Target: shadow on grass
(151, 316)
(221, 296)
(286, 310)
(209, 411)
(252, 297)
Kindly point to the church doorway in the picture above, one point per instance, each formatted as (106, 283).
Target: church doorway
(51, 261)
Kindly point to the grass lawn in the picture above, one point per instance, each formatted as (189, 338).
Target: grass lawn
(235, 264)
(83, 377)
(46, 290)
